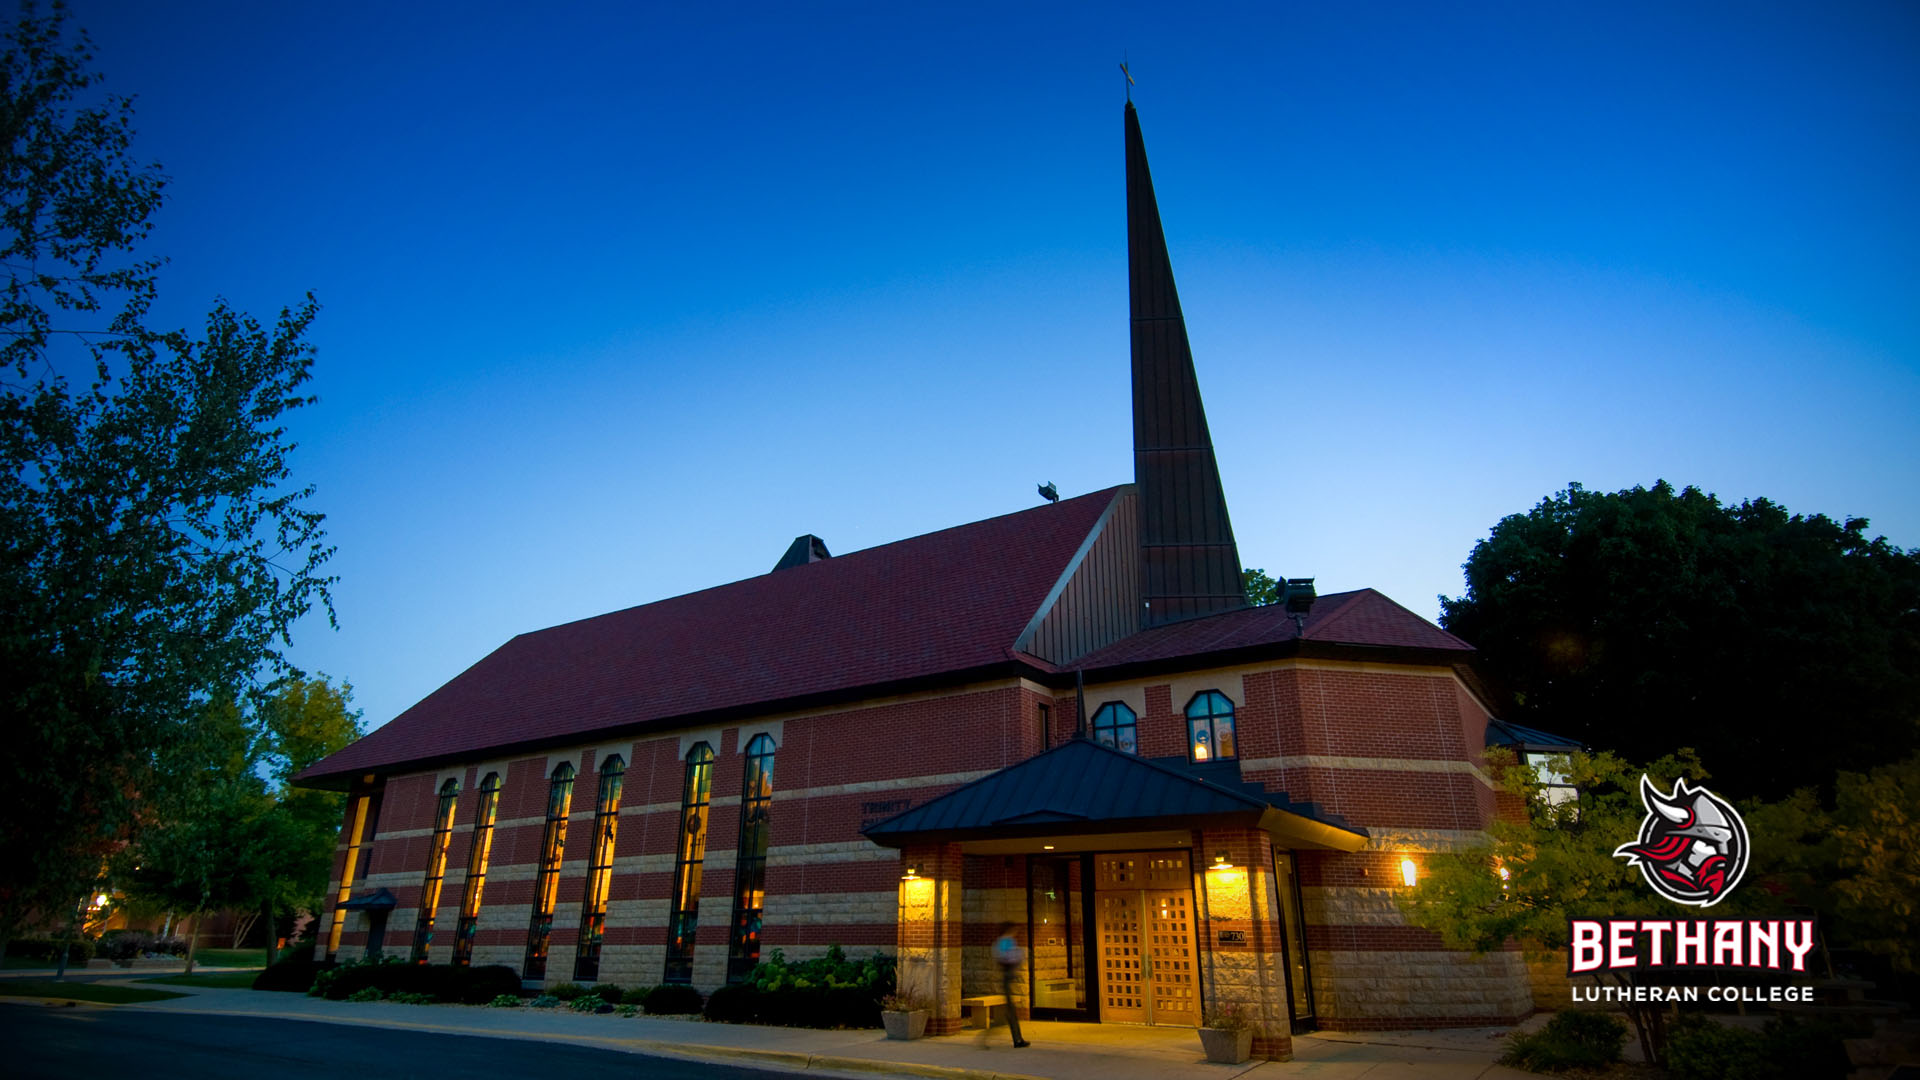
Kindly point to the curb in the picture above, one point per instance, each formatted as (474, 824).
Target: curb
(789, 1060)
(65, 1001)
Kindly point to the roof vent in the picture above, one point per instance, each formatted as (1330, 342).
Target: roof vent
(805, 549)
(1298, 596)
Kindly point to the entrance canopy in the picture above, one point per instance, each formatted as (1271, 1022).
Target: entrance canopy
(377, 900)
(1084, 788)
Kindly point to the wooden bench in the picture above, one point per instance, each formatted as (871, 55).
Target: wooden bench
(980, 1009)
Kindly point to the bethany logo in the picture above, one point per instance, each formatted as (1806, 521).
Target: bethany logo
(1692, 847)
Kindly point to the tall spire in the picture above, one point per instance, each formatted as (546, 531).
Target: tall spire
(1189, 565)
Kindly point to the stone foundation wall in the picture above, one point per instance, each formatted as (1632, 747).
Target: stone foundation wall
(1359, 990)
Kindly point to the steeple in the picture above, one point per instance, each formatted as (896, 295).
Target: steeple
(1189, 565)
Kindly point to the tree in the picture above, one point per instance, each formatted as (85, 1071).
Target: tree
(303, 721)
(155, 554)
(1876, 831)
(235, 836)
(1648, 617)
(1261, 589)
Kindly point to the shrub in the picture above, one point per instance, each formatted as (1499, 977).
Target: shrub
(611, 993)
(405, 998)
(544, 1001)
(1231, 1018)
(1572, 1039)
(506, 1001)
(1813, 1049)
(734, 1004)
(48, 950)
(592, 1003)
(627, 1011)
(1699, 1049)
(365, 993)
(443, 982)
(484, 984)
(671, 1000)
(294, 975)
(568, 991)
(637, 995)
(828, 991)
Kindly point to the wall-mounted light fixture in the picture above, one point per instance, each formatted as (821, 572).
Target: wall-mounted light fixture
(1046, 847)
(911, 872)
(1409, 873)
(1221, 862)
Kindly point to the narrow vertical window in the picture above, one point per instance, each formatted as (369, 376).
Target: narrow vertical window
(1116, 726)
(1210, 726)
(593, 917)
(436, 870)
(546, 891)
(1043, 725)
(686, 871)
(477, 870)
(750, 871)
(347, 869)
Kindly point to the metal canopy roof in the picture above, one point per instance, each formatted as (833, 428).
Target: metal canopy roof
(1505, 733)
(377, 900)
(1085, 787)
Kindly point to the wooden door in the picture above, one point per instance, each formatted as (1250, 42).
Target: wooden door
(1149, 973)
(1123, 989)
(1173, 988)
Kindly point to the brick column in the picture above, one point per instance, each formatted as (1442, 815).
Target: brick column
(929, 931)
(1245, 971)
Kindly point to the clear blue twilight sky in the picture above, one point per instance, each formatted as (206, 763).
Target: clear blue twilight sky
(619, 298)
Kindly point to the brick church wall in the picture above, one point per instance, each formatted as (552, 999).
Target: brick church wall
(1390, 747)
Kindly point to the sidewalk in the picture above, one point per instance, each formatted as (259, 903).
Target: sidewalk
(1060, 1051)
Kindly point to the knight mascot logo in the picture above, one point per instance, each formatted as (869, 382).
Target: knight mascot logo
(1692, 847)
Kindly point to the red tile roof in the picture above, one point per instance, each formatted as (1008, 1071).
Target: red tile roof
(934, 605)
(944, 602)
(1362, 617)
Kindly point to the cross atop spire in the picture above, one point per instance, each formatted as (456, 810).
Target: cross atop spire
(1189, 563)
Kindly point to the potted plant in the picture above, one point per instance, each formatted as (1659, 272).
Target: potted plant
(1227, 1035)
(904, 1015)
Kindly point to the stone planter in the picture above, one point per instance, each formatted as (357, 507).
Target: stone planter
(905, 1025)
(1227, 1047)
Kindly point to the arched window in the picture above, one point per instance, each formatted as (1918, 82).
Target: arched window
(686, 872)
(1210, 726)
(1116, 726)
(477, 858)
(546, 891)
(436, 870)
(593, 917)
(750, 871)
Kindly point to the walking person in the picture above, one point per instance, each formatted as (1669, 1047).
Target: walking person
(1009, 955)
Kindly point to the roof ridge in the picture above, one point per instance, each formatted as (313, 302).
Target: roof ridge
(805, 568)
(1352, 597)
(1398, 606)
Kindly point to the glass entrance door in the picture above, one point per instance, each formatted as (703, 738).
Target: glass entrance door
(1056, 933)
(1294, 938)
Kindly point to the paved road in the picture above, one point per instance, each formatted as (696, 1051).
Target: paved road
(54, 1042)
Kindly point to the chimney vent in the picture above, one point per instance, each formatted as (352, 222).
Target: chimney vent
(806, 548)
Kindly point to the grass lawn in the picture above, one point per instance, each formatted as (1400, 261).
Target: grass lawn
(250, 958)
(237, 980)
(81, 991)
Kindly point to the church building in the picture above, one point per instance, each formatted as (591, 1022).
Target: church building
(1068, 718)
